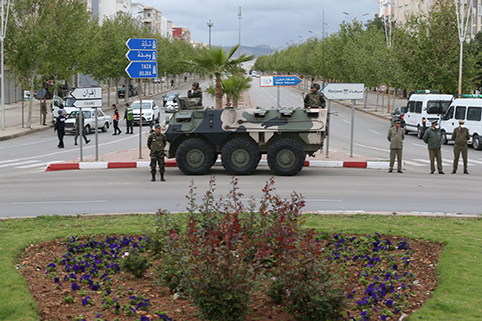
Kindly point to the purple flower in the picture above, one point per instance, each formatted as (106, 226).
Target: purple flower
(75, 286)
(56, 280)
(98, 316)
(144, 318)
(86, 300)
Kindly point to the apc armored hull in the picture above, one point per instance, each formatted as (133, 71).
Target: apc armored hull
(241, 136)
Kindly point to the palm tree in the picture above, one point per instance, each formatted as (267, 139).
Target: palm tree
(216, 63)
(234, 86)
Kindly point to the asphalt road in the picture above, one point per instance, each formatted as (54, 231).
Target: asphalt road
(26, 190)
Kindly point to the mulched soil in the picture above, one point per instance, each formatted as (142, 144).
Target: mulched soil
(49, 297)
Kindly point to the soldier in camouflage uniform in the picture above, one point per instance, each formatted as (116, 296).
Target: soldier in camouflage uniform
(315, 99)
(156, 143)
(196, 92)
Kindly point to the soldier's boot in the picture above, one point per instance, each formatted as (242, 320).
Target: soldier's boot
(153, 177)
(162, 177)
(75, 142)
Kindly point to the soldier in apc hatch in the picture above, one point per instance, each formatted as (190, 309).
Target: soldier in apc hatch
(156, 143)
(196, 92)
(315, 99)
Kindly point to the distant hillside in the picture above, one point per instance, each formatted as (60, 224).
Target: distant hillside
(257, 51)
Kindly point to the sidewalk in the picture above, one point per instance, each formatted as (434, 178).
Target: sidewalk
(16, 114)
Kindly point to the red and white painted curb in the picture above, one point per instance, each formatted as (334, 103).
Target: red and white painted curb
(172, 163)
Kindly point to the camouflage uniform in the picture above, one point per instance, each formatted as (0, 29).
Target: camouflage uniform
(196, 93)
(315, 100)
(156, 143)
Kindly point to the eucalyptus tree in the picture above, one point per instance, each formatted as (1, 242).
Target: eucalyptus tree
(215, 63)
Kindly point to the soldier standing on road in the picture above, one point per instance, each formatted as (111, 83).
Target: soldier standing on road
(43, 111)
(129, 117)
(460, 136)
(60, 128)
(196, 92)
(77, 127)
(396, 136)
(314, 99)
(432, 138)
(156, 143)
(115, 120)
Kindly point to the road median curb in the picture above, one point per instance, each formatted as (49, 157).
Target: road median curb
(171, 163)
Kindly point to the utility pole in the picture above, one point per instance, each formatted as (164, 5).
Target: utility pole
(3, 32)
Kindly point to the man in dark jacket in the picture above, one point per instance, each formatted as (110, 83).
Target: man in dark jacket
(433, 138)
(60, 128)
(460, 136)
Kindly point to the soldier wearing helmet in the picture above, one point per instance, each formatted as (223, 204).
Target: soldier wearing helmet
(315, 99)
(196, 92)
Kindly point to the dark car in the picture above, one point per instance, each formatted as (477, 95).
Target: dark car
(133, 91)
(398, 114)
(167, 95)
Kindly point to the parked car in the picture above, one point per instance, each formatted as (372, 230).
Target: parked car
(103, 121)
(171, 104)
(169, 94)
(150, 111)
(133, 91)
(398, 114)
(67, 104)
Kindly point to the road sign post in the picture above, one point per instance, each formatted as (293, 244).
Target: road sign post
(279, 81)
(88, 98)
(143, 58)
(345, 92)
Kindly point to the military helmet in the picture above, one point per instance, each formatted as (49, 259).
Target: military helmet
(195, 84)
(315, 85)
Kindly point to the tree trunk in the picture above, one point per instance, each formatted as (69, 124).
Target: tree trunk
(219, 94)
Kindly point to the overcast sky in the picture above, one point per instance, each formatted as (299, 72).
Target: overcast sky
(264, 22)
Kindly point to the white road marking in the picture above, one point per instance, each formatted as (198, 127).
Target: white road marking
(374, 148)
(346, 121)
(375, 132)
(52, 202)
(19, 163)
(419, 145)
(413, 163)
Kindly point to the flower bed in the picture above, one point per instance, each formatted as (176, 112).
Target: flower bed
(385, 278)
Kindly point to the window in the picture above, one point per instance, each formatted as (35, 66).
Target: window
(449, 114)
(418, 107)
(433, 107)
(474, 113)
(460, 112)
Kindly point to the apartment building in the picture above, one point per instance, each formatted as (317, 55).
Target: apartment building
(401, 9)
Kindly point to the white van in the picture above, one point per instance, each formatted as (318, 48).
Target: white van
(469, 110)
(422, 109)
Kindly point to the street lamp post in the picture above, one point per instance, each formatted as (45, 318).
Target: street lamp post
(2, 38)
(462, 26)
(355, 16)
(239, 17)
(210, 24)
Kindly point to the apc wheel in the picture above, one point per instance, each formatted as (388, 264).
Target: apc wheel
(444, 138)
(194, 157)
(240, 156)
(286, 157)
(419, 132)
(476, 142)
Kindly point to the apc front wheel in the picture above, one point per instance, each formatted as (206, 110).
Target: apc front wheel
(286, 157)
(194, 157)
(240, 156)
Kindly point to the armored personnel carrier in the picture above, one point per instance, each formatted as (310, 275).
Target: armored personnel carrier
(197, 135)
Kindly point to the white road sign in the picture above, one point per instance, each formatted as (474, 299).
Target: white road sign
(87, 93)
(344, 91)
(87, 103)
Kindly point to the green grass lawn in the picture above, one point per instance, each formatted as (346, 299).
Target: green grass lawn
(458, 296)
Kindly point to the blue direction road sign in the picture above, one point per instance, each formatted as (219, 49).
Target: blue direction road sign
(142, 55)
(142, 44)
(139, 69)
(286, 81)
(271, 81)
